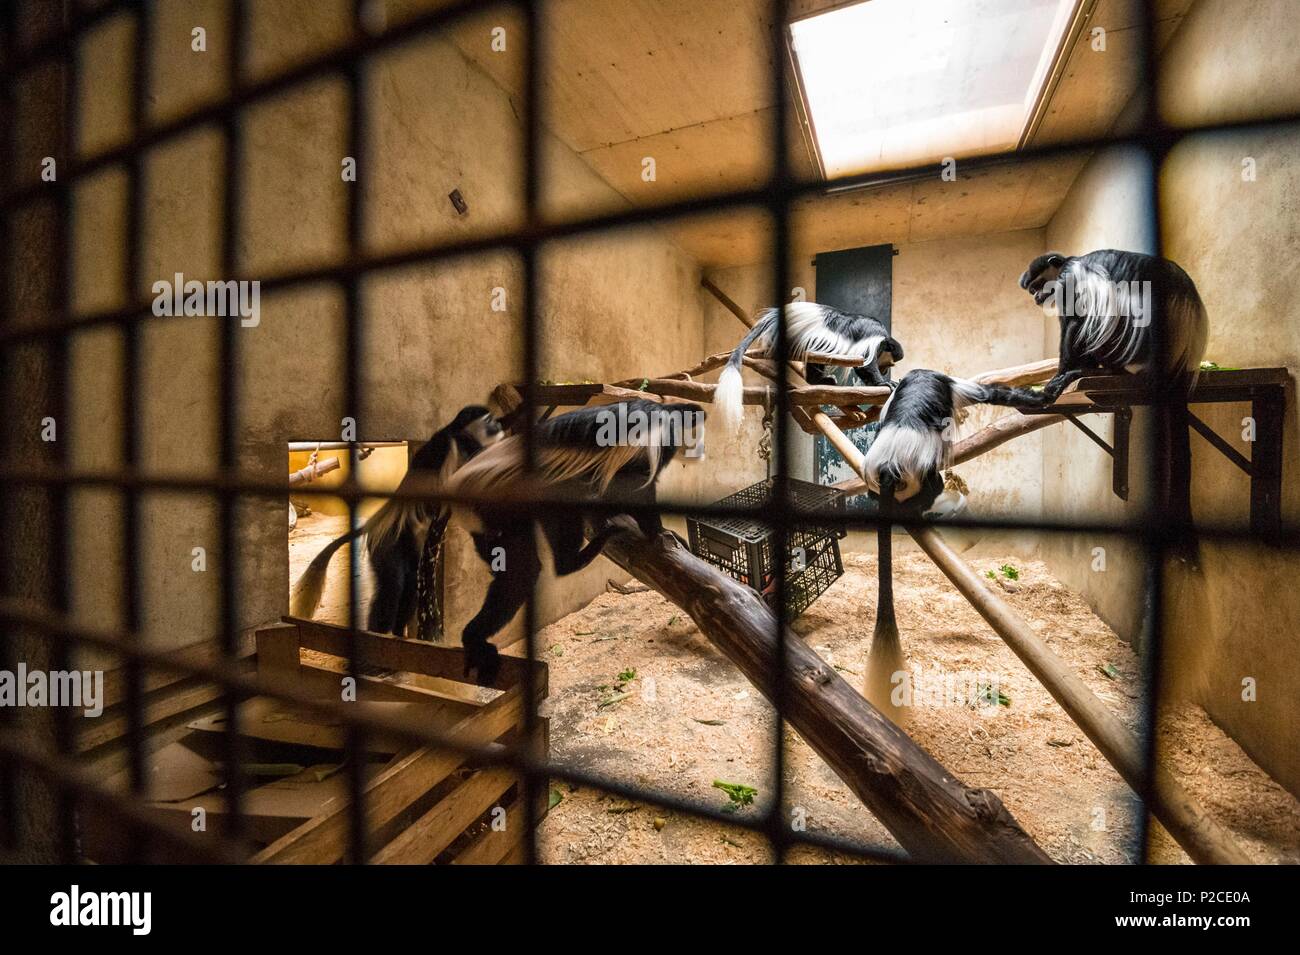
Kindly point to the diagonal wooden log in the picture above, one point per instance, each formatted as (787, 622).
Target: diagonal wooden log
(934, 816)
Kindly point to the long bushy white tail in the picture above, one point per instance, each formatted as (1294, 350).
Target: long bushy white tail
(305, 596)
(729, 398)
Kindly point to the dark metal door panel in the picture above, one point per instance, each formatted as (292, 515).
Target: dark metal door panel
(861, 281)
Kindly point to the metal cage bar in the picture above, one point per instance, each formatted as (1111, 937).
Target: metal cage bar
(229, 484)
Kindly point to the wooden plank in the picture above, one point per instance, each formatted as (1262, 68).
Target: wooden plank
(323, 839)
(275, 721)
(206, 653)
(278, 656)
(491, 846)
(271, 811)
(324, 682)
(171, 701)
(426, 838)
(416, 656)
(1227, 385)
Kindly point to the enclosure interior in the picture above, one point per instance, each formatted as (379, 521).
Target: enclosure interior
(579, 256)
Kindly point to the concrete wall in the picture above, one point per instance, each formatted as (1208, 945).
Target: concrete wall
(958, 309)
(1232, 620)
(612, 306)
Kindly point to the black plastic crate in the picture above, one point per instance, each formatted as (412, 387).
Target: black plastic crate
(743, 547)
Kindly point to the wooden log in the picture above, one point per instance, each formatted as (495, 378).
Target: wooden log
(1017, 375)
(312, 471)
(805, 396)
(934, 817)
(812, 396)
(1203, 839)
(1000, 432)
(714, 362)
(702, 392)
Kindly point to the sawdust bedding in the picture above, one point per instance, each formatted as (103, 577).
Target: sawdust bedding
(688, 718)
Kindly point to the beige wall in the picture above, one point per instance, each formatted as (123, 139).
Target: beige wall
(958, 309)
(1234, 618)
(612, 305)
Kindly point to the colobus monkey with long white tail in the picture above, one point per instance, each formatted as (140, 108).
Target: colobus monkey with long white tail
(397, 532)
(613, 452)
(1112, 305)
(903, 469)
(914, 443)
(810, 328)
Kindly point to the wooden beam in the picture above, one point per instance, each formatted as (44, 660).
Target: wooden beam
(492, 845)
(934, 817)
(1202, 837)
(425, 839)
(714, 362)
(986, 439)
(414, 656)
(1017, 376)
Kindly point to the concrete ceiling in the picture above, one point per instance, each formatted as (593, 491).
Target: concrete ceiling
(689, 84)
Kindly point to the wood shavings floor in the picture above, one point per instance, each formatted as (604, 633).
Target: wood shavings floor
(689, 718)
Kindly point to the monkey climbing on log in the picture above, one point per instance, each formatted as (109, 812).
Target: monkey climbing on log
(611, 453)
(396, 534)
(903, 470)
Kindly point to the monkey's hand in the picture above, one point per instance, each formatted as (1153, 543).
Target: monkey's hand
(624, 524)
(485, 660)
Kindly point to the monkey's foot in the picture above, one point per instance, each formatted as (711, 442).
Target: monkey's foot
(484, 660)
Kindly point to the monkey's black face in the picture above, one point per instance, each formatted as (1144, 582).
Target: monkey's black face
(486, 430)
(1039, 280)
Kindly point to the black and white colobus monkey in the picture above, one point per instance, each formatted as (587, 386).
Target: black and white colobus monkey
(1111, 304)
(914, 443)
(903, 469)
(397, 532)
(586, 454)
(810, 328)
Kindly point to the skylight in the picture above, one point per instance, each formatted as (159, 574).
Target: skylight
(896, 82)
